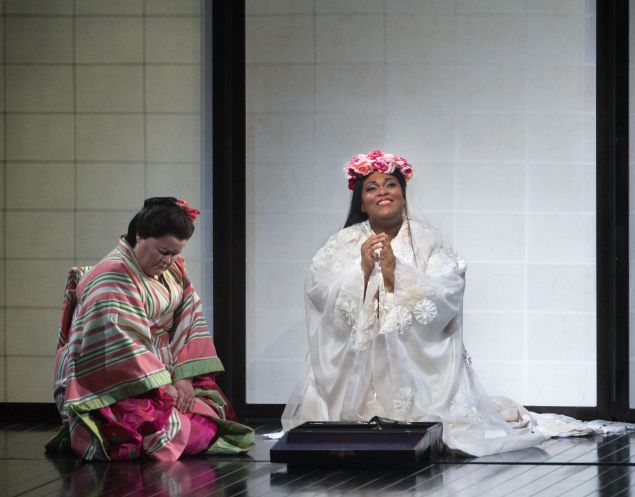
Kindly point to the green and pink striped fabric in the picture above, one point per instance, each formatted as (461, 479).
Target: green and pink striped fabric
(124, 334)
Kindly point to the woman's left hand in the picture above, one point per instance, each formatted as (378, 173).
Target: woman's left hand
(388, 263)
(185, 398)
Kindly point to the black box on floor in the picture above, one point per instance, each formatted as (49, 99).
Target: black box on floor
(378, 442)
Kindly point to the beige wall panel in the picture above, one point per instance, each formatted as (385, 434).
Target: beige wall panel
(172, 7)
(109, 40)
(40, 137)
(29, 40)
(3, 394)
(176, 180)
(2, 279)
(2, 87)
(98, 233)
(38, 7)
(30, 379)
(102, 7)
(32, 331)
(173, 137)
(173, 88)
(32, 88)
(29, 185)
(175, 39)
(110, 186)
(194, 273)
(39, 234)
(110, 137)
(279, 6)
(109, 89)
(193, 255)
(2, 332)
(74, 181)
(36, 283)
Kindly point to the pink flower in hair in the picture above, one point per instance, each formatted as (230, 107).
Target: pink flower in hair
(407, 171)
(363, 168)
(192, 213)
(383, 166)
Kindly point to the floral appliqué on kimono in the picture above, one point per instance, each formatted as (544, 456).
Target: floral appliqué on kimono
(425, 311)
(361, 339)
(325, 260)
(398, 319)
(443, 261)
(350, 234)
(362, 335)
(465, 405)
(349, 311)
(402, 403)
(467, 358)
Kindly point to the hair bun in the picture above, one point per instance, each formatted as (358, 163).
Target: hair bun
(149, 202)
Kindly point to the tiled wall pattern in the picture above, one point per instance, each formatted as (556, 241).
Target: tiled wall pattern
(101, 109)
(494, 104)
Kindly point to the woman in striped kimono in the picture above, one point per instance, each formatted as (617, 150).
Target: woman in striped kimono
(136, 365)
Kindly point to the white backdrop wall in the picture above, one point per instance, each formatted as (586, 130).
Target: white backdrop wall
(494, 104)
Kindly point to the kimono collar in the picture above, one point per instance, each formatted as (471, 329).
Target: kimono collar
(128, 252)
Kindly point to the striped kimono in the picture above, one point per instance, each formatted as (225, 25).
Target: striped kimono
(124, 338)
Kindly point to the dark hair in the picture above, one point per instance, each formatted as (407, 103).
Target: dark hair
(160, 216)
(355, 214)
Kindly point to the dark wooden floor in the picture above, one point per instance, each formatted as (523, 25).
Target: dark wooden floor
(601, 466)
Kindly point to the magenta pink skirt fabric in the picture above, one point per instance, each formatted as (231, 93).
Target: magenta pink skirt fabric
(130, 427)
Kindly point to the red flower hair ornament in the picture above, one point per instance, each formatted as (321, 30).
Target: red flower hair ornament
(192, 213)
(362, 165)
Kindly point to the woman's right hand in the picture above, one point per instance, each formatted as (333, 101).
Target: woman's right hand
(373, 243)
(182, 393)
(186, 397)
(172, 392)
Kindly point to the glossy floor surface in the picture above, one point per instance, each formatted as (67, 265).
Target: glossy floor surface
(602, 466)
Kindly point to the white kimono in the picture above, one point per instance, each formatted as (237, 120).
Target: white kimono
(398, 355)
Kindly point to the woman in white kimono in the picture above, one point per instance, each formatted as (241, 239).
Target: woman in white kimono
(384, 301)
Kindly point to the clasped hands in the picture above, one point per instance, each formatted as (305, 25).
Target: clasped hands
(381, 243)
(183, 393)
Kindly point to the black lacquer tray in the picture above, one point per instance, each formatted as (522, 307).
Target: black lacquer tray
(378, 442)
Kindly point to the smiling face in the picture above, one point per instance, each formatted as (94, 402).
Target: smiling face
(155, 255)
(382, 199)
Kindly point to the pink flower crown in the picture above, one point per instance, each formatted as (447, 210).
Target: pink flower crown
(362, 165)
